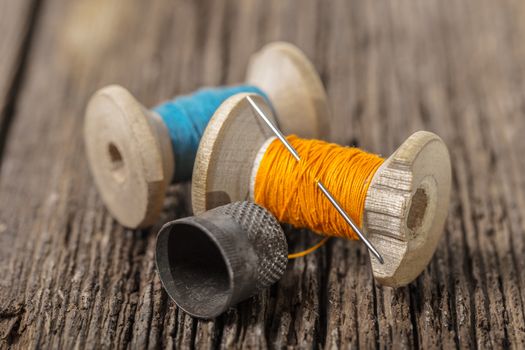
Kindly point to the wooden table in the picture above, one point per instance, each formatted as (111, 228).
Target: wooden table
(71, 276)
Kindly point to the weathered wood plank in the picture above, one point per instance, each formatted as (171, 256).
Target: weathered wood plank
(17, 20)
(70, 276)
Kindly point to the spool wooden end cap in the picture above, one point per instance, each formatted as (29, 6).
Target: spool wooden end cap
(228, 148)
(129, 154)
(294, 87)
(406, 207)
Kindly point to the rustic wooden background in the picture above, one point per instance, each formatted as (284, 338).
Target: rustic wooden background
(70, 276)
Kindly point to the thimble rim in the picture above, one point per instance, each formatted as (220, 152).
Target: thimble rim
(162, 262)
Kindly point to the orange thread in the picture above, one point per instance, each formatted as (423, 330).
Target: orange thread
(288, 189)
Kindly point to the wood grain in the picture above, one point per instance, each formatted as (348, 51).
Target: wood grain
(17, 22)
(70, 276)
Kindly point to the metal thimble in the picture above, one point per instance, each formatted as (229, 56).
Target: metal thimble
(210, 262)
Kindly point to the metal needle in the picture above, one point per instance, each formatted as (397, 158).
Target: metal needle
(322, 187)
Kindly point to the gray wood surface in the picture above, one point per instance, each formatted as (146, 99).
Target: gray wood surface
(71, 277)
(17, 22)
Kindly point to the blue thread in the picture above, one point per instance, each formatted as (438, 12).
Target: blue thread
(186, 118)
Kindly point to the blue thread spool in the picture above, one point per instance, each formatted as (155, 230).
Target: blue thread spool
(135, 153)
(186, 118)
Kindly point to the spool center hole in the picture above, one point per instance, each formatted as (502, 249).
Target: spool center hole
(117, 162)
(418, 210)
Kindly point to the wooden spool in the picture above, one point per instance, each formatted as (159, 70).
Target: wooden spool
(129, 149)
(405, 207)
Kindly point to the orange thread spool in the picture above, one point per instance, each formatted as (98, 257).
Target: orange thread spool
(287, 188)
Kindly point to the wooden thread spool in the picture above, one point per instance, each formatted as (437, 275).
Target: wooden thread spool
(405, 206)
(129, 149)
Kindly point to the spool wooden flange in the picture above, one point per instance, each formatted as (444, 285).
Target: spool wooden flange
(130, 156)
(405, 207)
(230, 144)
(301, 103)
(129, 149)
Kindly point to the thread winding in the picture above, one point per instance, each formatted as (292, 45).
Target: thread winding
(287, 188)
(186, 118)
